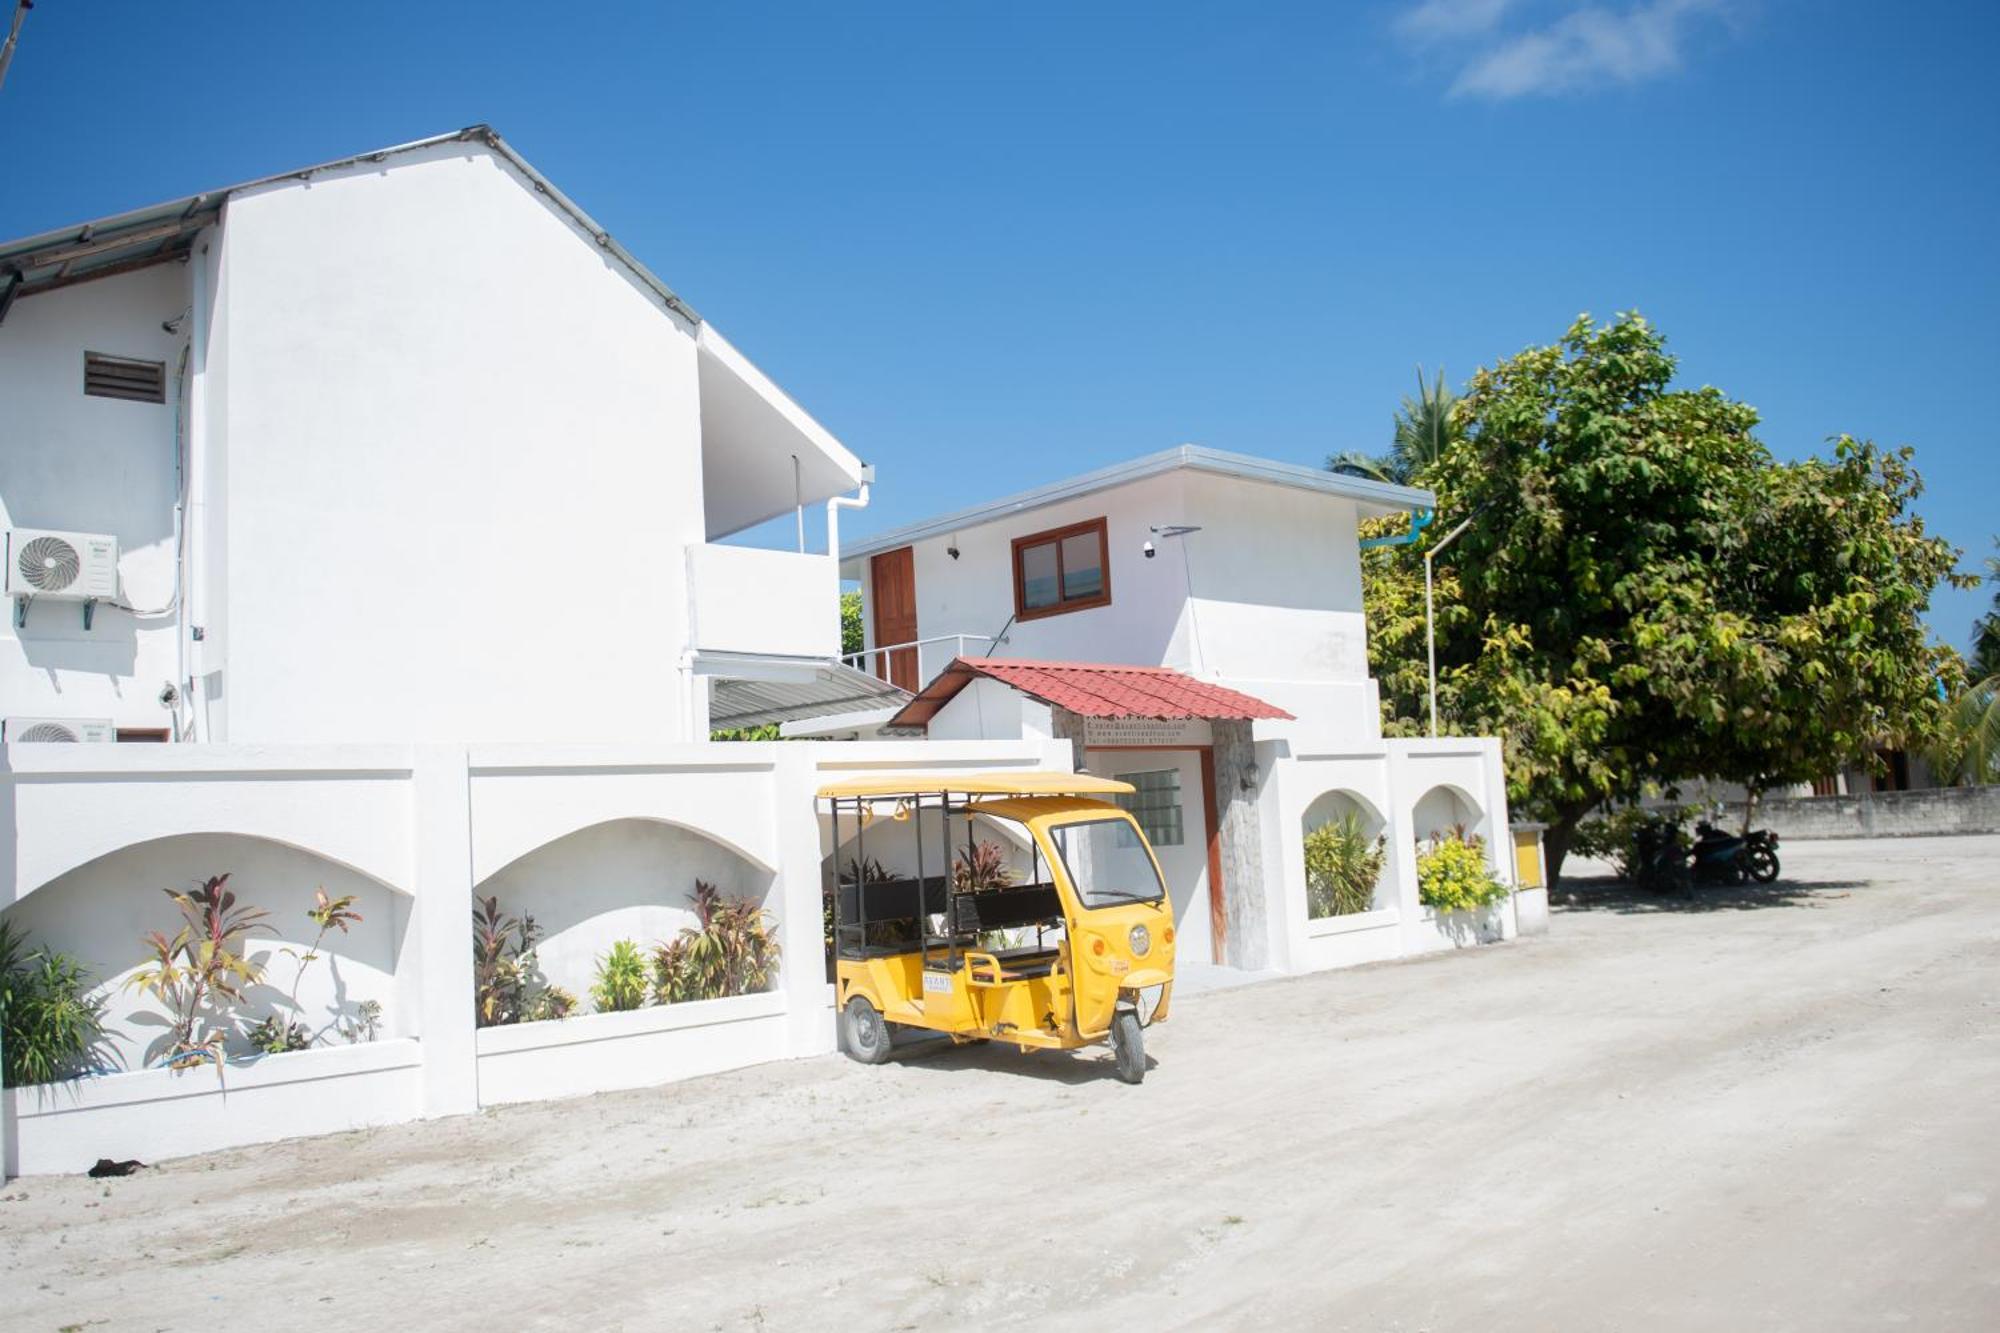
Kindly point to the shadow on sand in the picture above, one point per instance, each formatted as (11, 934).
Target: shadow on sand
(1604, 894)
(1092, 1064)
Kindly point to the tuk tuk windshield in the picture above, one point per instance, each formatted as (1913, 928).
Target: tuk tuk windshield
(1107, 862)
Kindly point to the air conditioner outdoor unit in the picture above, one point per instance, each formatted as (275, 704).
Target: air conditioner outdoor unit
(62, 566)
(92, 730)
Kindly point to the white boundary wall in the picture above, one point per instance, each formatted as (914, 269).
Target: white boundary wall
(1401, 783)
(429, 825)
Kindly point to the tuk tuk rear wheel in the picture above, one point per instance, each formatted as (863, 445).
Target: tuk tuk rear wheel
(1128, 1046)
(864, 1032)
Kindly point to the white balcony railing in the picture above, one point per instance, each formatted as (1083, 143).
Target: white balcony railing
(742, 599)
(932, 654)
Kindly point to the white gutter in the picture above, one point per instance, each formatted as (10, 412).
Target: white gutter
(840, 502)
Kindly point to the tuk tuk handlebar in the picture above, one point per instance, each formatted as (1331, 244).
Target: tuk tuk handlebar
(977, 964)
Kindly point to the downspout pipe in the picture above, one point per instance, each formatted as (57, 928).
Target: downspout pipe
(840, 502)
(1419, 520)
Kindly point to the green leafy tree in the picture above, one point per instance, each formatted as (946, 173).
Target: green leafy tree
(1646, 596)
(1426, 427)
(851, 638)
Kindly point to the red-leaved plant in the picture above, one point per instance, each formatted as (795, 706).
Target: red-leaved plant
(201, 966)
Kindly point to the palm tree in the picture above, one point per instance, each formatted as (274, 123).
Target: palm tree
(1426, 427)
(1969, 748)
(1985, 659)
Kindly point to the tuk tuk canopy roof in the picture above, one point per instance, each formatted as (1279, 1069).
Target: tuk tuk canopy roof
(977, 784)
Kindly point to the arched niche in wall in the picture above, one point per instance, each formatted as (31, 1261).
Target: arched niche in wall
(1444, 810)
(624, 879)
(99, 913)
(1334, 807)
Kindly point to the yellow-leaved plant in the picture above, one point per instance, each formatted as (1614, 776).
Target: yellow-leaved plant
(1452, 876)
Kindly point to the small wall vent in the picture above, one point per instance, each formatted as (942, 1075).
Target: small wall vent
(122, 377)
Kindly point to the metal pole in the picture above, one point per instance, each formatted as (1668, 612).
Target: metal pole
(1430, 644)
(13, 36)
(799, 503)
(1430, 623)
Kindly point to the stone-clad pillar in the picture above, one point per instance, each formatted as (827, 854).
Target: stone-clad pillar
(1238, 785)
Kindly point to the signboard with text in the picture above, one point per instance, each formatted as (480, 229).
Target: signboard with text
(1107, 732)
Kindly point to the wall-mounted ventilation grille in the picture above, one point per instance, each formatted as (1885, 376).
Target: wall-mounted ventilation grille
(121, 377)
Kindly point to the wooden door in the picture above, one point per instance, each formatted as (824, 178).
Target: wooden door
(893, 577)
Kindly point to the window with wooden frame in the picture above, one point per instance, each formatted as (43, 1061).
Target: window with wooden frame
(1063, 569)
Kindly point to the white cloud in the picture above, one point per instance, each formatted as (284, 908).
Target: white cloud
(1439, 20)
(1589, 45)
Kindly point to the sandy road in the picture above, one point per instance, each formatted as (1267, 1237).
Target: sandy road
(1781, 1111)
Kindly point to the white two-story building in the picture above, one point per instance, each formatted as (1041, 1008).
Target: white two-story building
(1192, 622)
(402, 448)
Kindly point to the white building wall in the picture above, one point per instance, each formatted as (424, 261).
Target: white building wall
(463, 463)
(1277, 579)
(1144, 625)
(82, 464)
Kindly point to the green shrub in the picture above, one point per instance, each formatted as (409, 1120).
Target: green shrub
(1343, 866)
(732, 949)
(548, 1004)
(1614, 837)
(50, 1023)
(621, 979)
(1453, 876)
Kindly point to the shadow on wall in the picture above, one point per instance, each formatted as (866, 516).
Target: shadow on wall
(627, 879)
(100, 912)
(1442, 809)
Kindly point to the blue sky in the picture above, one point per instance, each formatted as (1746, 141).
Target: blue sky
(995, 244)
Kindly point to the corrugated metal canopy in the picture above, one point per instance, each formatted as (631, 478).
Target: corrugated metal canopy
(110, 245)
(834, 688)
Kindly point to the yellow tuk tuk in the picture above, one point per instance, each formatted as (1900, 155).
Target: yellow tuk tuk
(1030, 910)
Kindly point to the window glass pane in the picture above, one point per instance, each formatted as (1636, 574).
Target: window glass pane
(1156, 805)
(1082, 567)
(1106, 865)
(1038, 576)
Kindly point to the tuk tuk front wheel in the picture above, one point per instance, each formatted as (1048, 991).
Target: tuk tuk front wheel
(865, 1032)
(1128, 1046)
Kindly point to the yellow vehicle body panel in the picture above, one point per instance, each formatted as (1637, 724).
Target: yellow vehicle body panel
(1095, 968)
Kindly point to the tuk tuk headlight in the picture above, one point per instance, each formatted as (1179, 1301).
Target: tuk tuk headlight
(1142, 940)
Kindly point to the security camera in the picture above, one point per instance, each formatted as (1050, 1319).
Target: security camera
(1148, 548)
(952, 550)
(169, 695)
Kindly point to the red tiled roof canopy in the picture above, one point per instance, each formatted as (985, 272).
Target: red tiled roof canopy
(1092, 689)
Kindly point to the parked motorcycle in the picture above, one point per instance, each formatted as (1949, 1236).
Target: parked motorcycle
(1728, 858)
(1663, 860)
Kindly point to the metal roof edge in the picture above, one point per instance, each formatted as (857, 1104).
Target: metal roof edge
(1195, 457)
(481, 133)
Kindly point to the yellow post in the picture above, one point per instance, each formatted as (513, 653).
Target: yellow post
(1530, 867)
